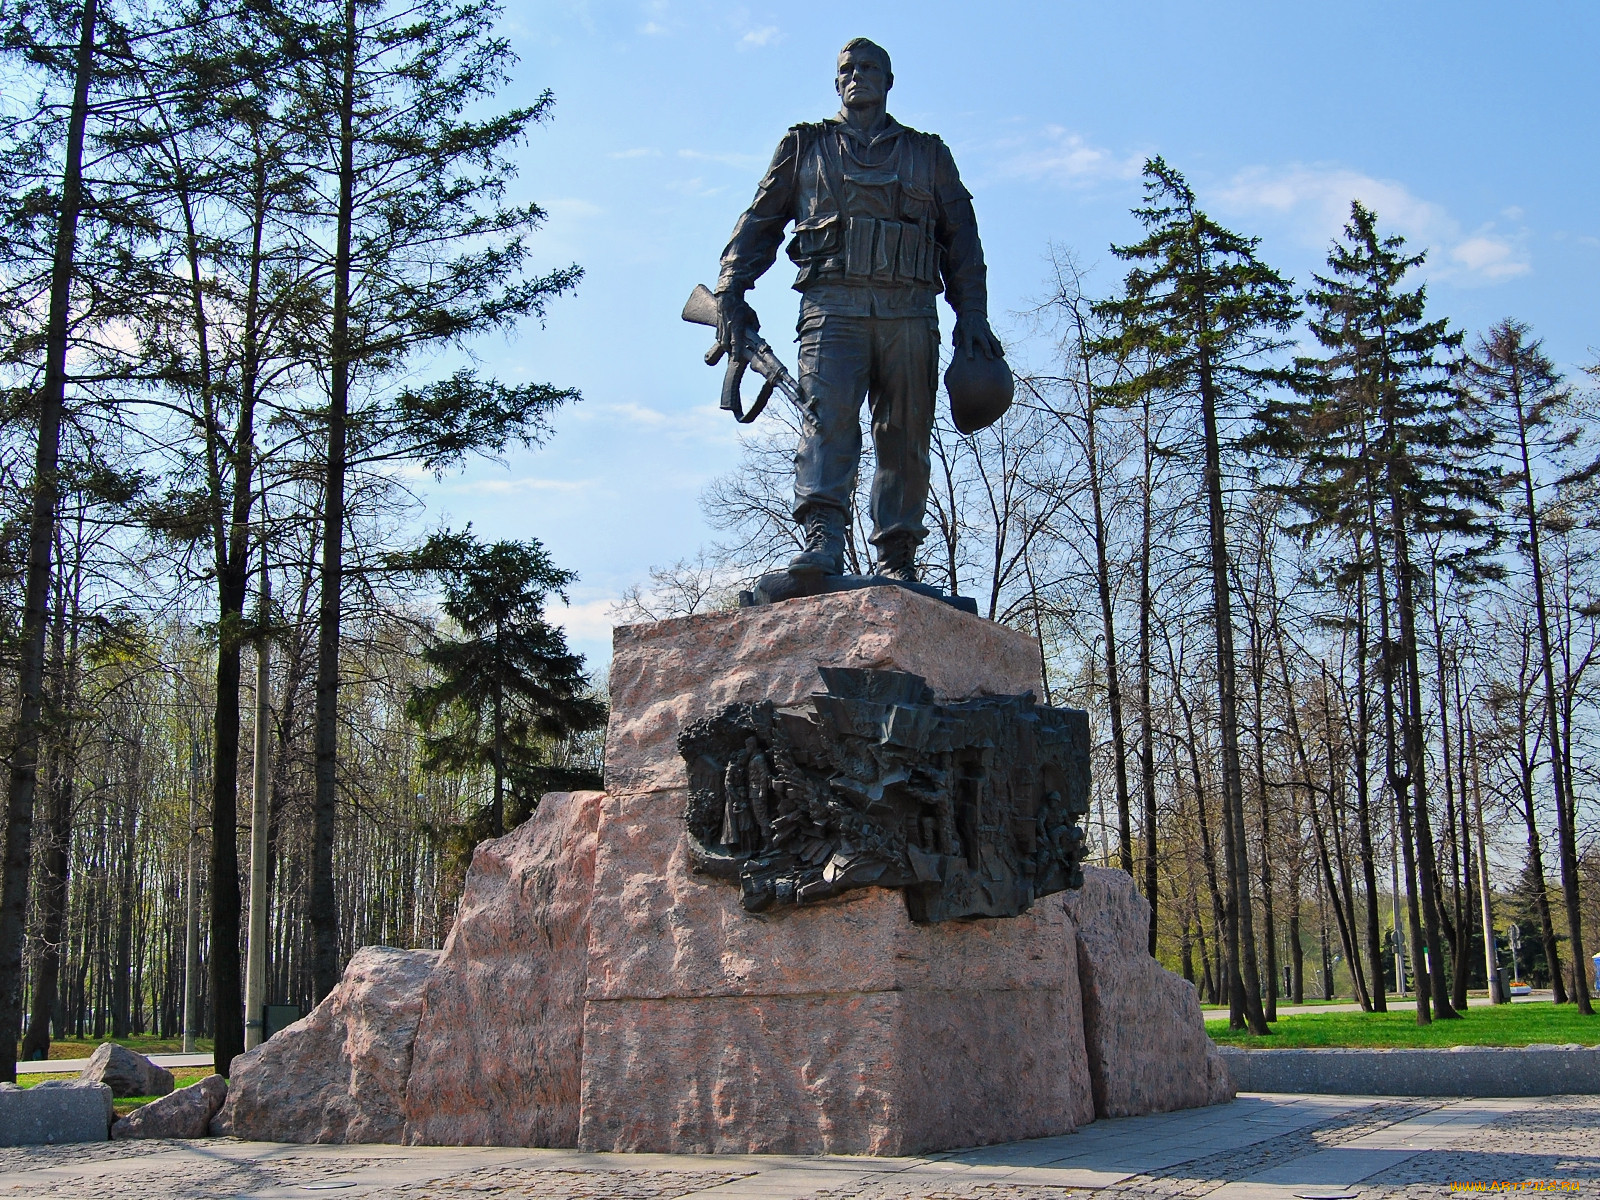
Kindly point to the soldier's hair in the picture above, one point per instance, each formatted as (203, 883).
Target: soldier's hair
(868, 44)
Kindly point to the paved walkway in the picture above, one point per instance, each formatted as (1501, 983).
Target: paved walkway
(58, 1066)
(1257, 1148)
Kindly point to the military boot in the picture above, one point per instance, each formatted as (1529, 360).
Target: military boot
(824, 552)
(897, 558)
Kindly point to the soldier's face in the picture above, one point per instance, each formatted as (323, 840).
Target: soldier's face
(862, 80)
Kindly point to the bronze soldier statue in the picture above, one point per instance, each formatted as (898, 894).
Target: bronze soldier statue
(882, 224)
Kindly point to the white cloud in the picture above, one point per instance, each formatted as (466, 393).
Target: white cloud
(1493, 258)
(631, 412)
(636, 152)
(586, 620)
(1057, 154)
(1318, 200)
(1315, 202)
(767, 35)
(651, 29)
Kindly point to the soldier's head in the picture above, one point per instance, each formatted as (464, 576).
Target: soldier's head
(864, 77)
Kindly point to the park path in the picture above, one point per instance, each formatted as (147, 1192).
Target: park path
(1257, 1148)
(59, 1066)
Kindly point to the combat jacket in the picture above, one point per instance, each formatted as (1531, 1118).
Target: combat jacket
(882, 224)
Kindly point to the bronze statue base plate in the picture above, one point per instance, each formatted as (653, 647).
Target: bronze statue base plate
(782, 585)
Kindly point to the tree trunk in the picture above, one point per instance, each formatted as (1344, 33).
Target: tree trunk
(1400, 778)
(1498, 993)
(1416, 760)
(1541, 895)
(36, 588)
(1108, 630)
(52, 900)
(1566, 838)
(1222, 986)
(122, 980)
(1363, 733)
(1264, 809)
(1458, 930)
(1245, 978)
(255, 991)
(1147, 730)
(191, 903)
(324, 901)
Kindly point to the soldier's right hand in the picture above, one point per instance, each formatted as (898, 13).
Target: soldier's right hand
(736, 320)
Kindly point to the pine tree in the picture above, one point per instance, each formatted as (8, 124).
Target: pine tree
(1380, 449)
(509, 692)
(424, 255)
(1528, 406)
(1203, 315)
(211, 289)
(47, 409)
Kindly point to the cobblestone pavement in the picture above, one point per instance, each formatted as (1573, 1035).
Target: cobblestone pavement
(1258, 1148)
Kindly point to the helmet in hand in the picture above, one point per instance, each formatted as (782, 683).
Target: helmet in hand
(980, 390)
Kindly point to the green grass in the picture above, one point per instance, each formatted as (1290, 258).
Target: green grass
(1281, 1000)
(144, 1043)
(1502, 1025)
(123, 1105)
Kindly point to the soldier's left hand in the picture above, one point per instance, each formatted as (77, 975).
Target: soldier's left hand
(973, 337)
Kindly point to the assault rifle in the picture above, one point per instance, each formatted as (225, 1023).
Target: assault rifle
(701, 309)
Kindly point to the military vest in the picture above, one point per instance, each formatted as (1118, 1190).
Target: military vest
(868, 226)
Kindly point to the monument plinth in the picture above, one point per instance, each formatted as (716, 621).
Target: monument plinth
(844, 1027)
(598, 990)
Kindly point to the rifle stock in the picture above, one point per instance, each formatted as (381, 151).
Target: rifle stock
(701, 307)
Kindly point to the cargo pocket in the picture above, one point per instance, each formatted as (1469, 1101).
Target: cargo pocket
(916, 204)
(815, 238)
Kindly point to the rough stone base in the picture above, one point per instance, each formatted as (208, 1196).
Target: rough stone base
(339, 1073)
(500, 1043)
(594, 992)
(875, 1073)
(844, 1028)
(1143, 1028)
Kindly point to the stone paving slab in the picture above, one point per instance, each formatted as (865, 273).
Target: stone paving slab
(1258, 1148)
(1336, 1167)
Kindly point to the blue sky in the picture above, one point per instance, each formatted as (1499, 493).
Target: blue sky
(1470, 128)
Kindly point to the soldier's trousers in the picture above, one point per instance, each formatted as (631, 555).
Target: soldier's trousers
(893, 363)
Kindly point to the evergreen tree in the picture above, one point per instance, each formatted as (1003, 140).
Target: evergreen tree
(422, 254)
(46, 408)
(214, 289)
(1527, 405)
(509, 694)
(1203, 315)
(1381, 451)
